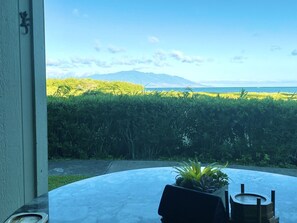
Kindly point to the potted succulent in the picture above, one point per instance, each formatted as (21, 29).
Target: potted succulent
(198, 195)
(209, 179)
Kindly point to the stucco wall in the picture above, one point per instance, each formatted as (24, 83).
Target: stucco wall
(11, 149)
(20, 162)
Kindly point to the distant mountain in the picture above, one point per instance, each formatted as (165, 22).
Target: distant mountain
(147, 79)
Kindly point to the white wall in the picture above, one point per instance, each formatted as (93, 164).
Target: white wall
(23, 118)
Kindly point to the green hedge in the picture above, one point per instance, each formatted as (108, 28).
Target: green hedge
(254, 131)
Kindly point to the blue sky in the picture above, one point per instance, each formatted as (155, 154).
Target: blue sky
(203, 41)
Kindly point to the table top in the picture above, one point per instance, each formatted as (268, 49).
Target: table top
(133, 196)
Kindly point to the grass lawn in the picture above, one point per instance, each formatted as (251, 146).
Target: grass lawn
(58, 181)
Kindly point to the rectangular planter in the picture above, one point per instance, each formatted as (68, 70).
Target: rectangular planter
(181, 205)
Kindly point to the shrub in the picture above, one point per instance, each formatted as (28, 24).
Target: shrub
(153, 126)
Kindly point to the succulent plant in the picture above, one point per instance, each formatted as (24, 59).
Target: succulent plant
(193, 176)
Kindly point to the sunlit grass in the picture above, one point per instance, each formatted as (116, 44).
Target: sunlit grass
(230, 95)
(58, 181)
(75, 87)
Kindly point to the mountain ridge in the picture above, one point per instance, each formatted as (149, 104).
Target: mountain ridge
(152, 80)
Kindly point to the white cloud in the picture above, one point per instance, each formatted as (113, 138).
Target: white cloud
(111, 48)
(179, 55)
(161, 64)
(97, 45)
(115, 49)
(160, 58)
(61, 63)
(88, 62)
(79, 61)
(77, 13)
(294, 52)
(153, 39)
(131, 61)
(275, 48)
(160, 55)
(182, 57)
(76, 66)
(82, 66)
(238, 59)
(101, 64)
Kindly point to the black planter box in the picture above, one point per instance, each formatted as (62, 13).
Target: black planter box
(181, 205)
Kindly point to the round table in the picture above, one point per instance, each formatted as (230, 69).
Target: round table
(134, 196)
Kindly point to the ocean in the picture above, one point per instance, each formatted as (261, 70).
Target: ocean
(230, 89)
